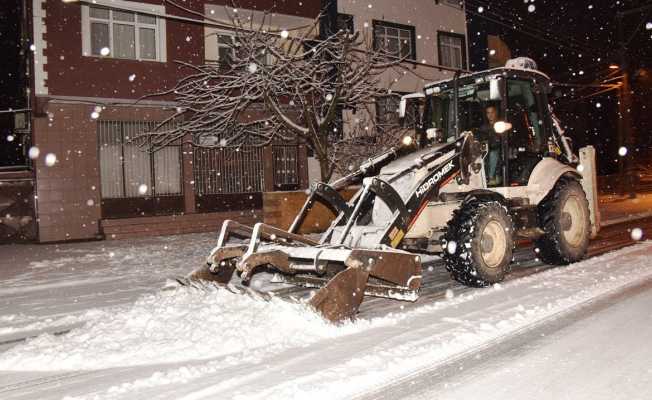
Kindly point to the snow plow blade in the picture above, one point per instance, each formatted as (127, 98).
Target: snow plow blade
(343, 276)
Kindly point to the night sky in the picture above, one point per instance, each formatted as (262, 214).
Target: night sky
(575, 42)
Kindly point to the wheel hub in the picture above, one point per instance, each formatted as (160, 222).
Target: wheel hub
(493, 244)
(566, 221)
(573, 221)
(487, 244)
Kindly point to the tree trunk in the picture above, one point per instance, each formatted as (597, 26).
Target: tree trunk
(325, 169)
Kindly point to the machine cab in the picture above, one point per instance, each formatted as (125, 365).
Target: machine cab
(506, 109)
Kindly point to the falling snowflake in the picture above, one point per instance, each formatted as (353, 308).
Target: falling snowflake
(637, 234)
(50, 159)
(284, 34)
(95, 115)
(449, 294)
(622, 151)
(142, 188)
(451, 247)
(105, 51)
(598, 105)
(648, 26)
(90, 202)
(132, 77)
(10, 138)
(252, 68)
(329, 97)
(480, 9)
(580, 168)
(531, 8)
(492, 52)
(32, 47)
(33, 152)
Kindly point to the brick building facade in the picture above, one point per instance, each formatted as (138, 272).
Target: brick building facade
(91, 62)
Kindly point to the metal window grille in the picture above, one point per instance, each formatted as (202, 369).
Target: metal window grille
(127, 170)
(285, 165)
(228, 170)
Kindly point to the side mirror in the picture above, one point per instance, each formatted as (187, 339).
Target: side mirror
(494, 89)
(401, 108)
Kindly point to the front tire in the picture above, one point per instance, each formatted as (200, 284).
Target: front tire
(564, 218)
(478, 243)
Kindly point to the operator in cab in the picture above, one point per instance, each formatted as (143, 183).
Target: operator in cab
(488, 134)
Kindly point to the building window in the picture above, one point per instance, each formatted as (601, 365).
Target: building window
(345, 22)
(452, 50)
(225, 48)
(128, 170)
(123, 34)
(387, 112)
(395, 39)
(228, 48)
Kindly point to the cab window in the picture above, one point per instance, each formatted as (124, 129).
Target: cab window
(527, 137)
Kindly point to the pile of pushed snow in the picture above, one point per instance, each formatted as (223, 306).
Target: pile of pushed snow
(172, 326)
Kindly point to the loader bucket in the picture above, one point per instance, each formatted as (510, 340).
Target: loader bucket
(344, 276)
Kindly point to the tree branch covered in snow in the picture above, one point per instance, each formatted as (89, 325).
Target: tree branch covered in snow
(277, 87)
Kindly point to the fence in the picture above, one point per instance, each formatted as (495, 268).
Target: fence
(135, 182)
(227, 170)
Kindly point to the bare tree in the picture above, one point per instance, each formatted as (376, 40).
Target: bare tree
(278, 86)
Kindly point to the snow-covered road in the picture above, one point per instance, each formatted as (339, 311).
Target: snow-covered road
(130, 340)
(599, 351)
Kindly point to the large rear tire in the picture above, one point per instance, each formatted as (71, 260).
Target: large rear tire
(564, 218)
(478, 243)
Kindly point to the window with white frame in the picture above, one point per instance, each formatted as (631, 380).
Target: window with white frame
(227, 44)
(452, 50)
(123, 33)
(395, 39)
